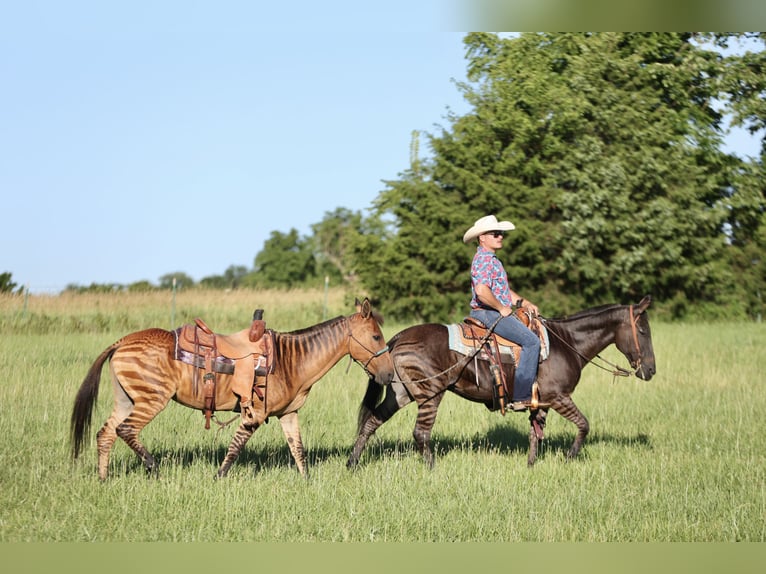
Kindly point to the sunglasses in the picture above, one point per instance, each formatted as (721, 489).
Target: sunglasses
(497, 234)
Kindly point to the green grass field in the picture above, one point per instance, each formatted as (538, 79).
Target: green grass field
(679, 458)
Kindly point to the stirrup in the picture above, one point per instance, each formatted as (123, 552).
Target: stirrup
(534, 404)
(520, 406)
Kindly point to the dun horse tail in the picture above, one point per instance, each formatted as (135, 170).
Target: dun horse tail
(371, 399)
(86, 399)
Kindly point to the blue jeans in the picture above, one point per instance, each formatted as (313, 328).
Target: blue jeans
(514, 330)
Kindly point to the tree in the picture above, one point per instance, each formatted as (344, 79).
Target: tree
(231, 278)
(142, 286)
(6, 284)
(332, 238)
(286, 260)
(94, 288)
(405, 252)
(182, 280)
(603, 149)
(744, 83)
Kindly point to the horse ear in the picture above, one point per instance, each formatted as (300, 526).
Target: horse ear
(366, 308)
(644, 304)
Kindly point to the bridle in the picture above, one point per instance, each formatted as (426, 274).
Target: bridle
(618, 371)
(373, 354)
(634, 330)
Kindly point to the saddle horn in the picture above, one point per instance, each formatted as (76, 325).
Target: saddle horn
(258, 326)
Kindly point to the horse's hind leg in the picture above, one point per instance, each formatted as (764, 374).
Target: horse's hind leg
(128, 432)
(105, 441)
(372, 419)
(129, 417)
(105, 437)
(566, 408)
(236, 445)
(142, 414)
(423, 426)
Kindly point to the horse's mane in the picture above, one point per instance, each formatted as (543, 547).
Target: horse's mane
(318, 327)
(313, 328)
(587, 313)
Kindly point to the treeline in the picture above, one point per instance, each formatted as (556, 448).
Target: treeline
(287, 260)
(605, 150)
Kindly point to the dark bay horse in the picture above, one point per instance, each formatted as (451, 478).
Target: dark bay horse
(426, 368)
(145, 377)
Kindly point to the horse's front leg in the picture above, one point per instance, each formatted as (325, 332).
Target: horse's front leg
(566, 408)
(238, 441)
(292, 432)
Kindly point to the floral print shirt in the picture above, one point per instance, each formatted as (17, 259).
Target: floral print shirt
(486, 268)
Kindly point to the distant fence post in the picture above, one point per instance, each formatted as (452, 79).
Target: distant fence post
(173, 306)
(326, 288)
(26, 302)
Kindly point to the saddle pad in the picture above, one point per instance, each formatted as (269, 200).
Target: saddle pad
(456, 343)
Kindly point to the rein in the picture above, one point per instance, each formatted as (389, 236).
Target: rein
(618, 371)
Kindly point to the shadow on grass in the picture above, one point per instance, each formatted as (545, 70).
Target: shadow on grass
(503, 439)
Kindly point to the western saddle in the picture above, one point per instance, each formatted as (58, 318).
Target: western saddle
(473, 332)
(246, 355)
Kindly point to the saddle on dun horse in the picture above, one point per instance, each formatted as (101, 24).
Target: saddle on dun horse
(246, 355)
(496, 349)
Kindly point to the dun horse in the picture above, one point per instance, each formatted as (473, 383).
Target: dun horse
(426, 368)
(146, 376)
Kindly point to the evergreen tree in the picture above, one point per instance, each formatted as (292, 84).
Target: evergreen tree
(603, 149)
(744, 83)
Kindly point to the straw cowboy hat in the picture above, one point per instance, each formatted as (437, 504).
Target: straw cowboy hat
(485, 225)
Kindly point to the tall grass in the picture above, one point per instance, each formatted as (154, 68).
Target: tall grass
(678, 458)
(225, 311)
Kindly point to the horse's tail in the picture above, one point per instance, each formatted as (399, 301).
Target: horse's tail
(371, 399)
(85, 401)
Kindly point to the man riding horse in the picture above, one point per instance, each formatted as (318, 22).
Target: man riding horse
(493, 301)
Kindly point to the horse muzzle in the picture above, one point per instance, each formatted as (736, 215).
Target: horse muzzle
(643, 371)
(383, 376)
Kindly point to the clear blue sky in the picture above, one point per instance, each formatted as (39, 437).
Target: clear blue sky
(124, 125)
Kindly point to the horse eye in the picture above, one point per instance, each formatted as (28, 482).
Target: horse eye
(376, 337)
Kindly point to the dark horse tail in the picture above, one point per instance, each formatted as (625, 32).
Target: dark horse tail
(371, 399)
(85, 401)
